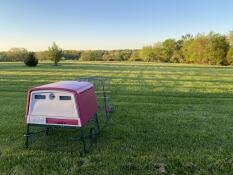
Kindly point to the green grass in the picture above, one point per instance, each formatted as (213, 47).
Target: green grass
(168, 119)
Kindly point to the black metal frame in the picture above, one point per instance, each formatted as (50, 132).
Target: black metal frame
(47, 128)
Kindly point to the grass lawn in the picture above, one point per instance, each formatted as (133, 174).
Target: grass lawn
(168, 119)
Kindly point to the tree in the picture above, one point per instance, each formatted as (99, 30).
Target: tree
(194, 49)
(179, 44)
(230, 56)
(3, 57)
(71, 54)
(110, 56)
(206, 49)
(125, 54)
(147, 53)
(187, 37)
(216, 49)
(158, 52)
(120, 55)
(94, 55)
(230, 37)
(169, 47)
(87, 56)
(177, 57)
(55, 53)
(31, 60)
(17, 54)
(135, 56)
(42, 55)
(163, 51)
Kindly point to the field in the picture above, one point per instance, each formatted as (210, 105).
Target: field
(168, 119)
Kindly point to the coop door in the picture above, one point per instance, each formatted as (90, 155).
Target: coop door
(55, 104)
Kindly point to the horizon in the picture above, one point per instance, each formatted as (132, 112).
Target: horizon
(103, 25)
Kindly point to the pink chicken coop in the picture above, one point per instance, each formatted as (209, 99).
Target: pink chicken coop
(62, 104)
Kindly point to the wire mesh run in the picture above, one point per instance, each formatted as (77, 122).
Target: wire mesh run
(103, 94)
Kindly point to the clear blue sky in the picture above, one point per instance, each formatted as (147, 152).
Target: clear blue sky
(107, 24)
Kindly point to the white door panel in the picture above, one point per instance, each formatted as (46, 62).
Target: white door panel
(51, 103)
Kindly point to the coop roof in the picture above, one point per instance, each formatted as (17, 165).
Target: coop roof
(78, 86)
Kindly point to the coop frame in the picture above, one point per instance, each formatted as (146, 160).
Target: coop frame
(93, 132)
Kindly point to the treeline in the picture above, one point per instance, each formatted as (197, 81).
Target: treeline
(212, 48)
(18, 54)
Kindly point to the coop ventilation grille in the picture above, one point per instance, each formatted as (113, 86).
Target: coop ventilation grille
(65, 97)
(40, 97)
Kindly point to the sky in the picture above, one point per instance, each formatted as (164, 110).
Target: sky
(107, 24)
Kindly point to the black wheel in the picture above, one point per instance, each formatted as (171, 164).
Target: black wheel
(93, 133)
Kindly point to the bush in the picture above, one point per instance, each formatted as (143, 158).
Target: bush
(31, 60)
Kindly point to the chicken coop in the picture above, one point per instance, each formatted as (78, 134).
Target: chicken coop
(67, 104)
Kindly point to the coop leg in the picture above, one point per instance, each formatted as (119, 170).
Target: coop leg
(83, 141)
(27, 136)
(97, 123)
(47, 131)
(105, 100)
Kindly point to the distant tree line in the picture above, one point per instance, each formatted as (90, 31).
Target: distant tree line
(18, 54)
(212, 48)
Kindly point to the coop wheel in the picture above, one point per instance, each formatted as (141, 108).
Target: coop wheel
(93, 133)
